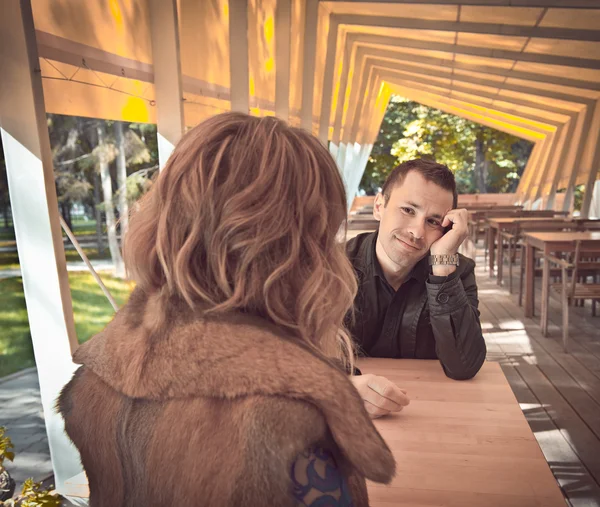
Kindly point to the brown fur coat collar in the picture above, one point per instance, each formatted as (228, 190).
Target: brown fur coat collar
(160, 352)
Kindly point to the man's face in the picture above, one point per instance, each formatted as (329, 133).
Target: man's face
(412, 219)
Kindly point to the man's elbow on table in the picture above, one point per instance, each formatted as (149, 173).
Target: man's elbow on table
(465, 371)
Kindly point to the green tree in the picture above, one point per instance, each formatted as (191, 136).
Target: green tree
(481, 158)
(92, 159)
(381, 161)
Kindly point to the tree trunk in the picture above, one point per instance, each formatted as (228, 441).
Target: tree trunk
(480, 179)
(98, 213)
(5, 209)
(111, 225)
(485, 172)
(122, 180)
(66, 213)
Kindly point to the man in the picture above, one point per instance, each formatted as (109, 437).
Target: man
(417, 297)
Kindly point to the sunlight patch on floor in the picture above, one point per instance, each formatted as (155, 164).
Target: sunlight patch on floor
(511, 324)
(492, 292)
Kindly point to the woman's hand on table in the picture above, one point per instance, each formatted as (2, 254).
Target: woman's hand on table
(381, 397)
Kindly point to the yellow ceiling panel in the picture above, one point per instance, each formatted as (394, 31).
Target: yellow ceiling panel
(416, 77)
(546, 101)
(479, 75)
(514, 118)
(404, 33)
(542, 85)
(470, 96)
(115, 26)
(204, 30)
(491, 41)
(576, 49)
(60, 70)
(583, 19)
(197, 108)
(526, 16)
(49, 70)
(477, 87)
(52, 69)
(95, 78)
(321, 56)
(532, 111)
(413, 11)
(337, 76)
(559, 70)
(296, 54)
(79, 99)
(134, 88)
(484, 118)
(261, 50)
(411, 51)
(436, 90)
(410, 65)
(487, 62)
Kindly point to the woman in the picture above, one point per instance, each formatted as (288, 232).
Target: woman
(222, 381)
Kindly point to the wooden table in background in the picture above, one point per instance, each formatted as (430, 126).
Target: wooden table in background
(548, 242)
(460, 444)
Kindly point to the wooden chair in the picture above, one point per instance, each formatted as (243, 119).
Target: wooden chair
(481, 224)
(515, 245)
(585, 261)
(512, 240)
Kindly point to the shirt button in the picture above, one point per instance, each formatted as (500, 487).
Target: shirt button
(442, 297)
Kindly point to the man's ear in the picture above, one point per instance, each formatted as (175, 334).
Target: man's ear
(378, 206)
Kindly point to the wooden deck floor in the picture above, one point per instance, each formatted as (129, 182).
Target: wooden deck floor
(558, 392)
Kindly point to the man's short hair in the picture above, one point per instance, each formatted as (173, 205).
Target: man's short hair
(429, 169)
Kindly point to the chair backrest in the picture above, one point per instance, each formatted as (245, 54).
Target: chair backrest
(586, 257)
(534, 225)
(589, 225)
(575, 268)
(545, 213)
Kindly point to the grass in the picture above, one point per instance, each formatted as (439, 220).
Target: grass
(80, 228)
(10, 260)
(91, 309)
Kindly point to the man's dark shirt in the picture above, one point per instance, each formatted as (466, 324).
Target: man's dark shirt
(428, 317)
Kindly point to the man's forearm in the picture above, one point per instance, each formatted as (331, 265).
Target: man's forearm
(455, 322)
(461, 352)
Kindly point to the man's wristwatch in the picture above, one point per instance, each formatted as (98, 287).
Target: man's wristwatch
(443, 260)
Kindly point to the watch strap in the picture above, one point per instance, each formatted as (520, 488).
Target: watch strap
(444, 260)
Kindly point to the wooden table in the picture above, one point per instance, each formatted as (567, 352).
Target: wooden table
(460, 444)
(548, 242)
